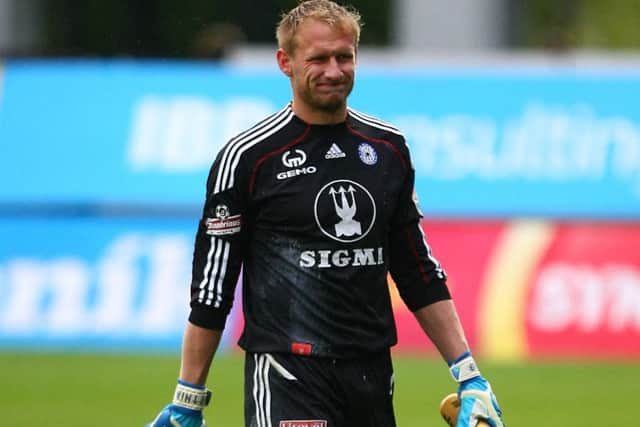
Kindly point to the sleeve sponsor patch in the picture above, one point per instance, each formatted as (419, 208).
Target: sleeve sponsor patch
(222, 226)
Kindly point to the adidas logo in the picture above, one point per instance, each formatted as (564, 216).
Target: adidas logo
(334, 152)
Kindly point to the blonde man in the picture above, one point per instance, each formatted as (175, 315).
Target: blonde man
(315, 203)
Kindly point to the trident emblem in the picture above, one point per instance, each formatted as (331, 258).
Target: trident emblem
(346, 210)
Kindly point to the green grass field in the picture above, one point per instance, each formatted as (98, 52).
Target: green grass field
(90, 390)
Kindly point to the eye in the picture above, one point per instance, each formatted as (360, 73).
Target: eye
(318, 59)
(346, 56)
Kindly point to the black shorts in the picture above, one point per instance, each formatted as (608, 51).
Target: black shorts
(288, 390)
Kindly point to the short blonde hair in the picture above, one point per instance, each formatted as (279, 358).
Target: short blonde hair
(326, 11)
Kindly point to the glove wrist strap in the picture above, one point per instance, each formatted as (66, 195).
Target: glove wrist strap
(190, 397)
(464, 369)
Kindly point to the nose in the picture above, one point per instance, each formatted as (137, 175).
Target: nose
(333, 70)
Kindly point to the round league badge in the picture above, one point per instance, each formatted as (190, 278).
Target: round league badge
(367, 154)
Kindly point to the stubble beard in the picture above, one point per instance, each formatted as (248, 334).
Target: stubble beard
(329, 104)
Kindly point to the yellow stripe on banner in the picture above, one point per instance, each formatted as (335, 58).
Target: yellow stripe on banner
(502, 305)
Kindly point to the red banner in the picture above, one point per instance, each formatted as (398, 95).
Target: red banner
(464, 251)
(585, 295)
(538, 289)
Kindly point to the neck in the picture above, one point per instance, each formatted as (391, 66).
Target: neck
(313, 116)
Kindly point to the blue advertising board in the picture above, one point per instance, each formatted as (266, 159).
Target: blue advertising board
(96, 283)
(496, 143)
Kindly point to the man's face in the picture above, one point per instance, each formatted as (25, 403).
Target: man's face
(322, 66)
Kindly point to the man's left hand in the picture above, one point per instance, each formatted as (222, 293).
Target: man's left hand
(477, 402)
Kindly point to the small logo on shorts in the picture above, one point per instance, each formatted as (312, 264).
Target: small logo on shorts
(303, 423)
(301, 348)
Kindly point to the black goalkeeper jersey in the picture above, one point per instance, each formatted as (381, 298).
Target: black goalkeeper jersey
(316, 216)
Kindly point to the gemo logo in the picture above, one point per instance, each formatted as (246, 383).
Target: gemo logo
(294, 160)
(296, 172)
(135, 288)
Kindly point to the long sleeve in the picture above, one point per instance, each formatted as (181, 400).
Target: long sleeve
(219, 243)
(418, 275)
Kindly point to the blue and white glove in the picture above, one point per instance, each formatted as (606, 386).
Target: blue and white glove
(477, 401)
(186, 410)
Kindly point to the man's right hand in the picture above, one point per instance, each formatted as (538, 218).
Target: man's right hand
(186, 409)
(176, 416)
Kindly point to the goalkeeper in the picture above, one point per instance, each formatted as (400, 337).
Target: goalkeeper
(316, 204)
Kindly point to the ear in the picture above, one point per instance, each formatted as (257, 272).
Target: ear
(284, 62)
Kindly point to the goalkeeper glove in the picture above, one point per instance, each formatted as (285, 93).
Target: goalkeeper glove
(477, 401)
(186, 409)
